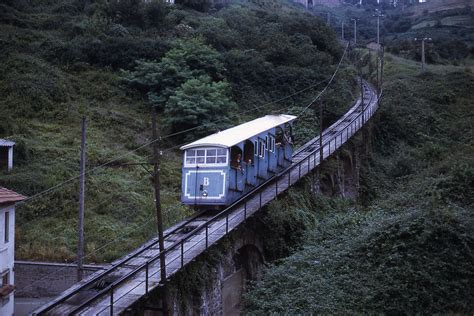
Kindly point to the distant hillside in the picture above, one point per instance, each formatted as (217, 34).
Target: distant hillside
(432, 6)
(408, 249)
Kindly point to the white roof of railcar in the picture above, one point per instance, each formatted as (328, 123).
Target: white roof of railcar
(240, 133)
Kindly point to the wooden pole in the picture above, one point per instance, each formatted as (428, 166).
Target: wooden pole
(321, 149)
(355, 32)
(80, 222)
(423, 67)
(321, 152)
(342, 31)
(381, 68)
(378, 72)
(159, 217)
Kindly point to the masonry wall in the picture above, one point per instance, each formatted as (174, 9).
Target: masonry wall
(213, 285)
(43, 279)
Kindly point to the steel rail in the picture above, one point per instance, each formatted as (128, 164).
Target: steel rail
(315, 143)
(237, 203)
(118, 264)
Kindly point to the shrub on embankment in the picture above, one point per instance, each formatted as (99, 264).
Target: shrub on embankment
(409, 248)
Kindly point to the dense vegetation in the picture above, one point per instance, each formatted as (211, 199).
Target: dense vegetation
(448, 24)
(111, 61)
(407, 246)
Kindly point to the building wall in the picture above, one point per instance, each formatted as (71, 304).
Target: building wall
(7, 253)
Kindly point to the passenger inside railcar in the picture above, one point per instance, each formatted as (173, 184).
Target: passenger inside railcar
(279, 136)
(236, 162)
(248, 152)
(236, 157)
(288, 134)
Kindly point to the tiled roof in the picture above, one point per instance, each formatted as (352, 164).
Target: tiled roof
(8, 196)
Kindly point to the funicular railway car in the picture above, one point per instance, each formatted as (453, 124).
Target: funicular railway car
(219, 168)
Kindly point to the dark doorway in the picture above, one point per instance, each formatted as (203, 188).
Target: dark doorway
(248, 151)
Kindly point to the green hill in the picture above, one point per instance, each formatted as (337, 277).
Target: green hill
(408, 247)
(62, 60)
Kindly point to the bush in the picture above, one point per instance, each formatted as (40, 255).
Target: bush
(114, 52)
(198, 103)
(31, 87)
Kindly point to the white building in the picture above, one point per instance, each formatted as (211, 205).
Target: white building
(8, 199)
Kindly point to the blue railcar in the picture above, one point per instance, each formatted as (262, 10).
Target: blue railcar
(221, 167)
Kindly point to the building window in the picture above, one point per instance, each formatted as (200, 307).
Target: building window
(214, 156)
(5, 287)
(7, 226)
(6, 277)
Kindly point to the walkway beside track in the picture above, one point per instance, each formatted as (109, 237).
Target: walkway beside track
(110, 292)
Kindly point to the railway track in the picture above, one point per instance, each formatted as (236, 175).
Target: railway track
(113, 290)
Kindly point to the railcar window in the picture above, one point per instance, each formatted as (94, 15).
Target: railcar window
(261, 149)
(206, 156)
(271, 143)
(211, 156)
(255, 148)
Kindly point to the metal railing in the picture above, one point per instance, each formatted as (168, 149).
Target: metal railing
(220, 224)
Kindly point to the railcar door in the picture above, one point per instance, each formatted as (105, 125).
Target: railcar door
(288, 141)
(249, 163)
(237, 172)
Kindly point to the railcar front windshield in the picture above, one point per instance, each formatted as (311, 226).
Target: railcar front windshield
(205, 157)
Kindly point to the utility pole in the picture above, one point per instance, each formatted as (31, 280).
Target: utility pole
(80, 221)
(321, 152)
(379, 60)
(362, 97)
(159, 217)
(378, 15)
(423, 63)
(355, 31)
(342, 31)
(381, 67)
(361, 90)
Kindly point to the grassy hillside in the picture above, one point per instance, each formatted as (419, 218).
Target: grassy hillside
(62, 60)
(407, 247)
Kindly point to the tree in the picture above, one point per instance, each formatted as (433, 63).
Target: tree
(187, 59)
(201, 103)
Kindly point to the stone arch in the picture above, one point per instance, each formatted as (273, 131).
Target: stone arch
(250, 259)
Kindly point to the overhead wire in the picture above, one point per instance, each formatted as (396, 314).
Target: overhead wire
(168, 149)
(70, 180)
(328, 84)
(90, 254)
